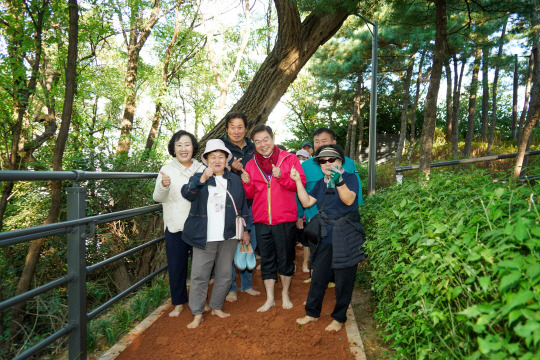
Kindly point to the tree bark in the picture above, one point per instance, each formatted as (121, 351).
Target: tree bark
(449, 93)
(485, 93)
(527, 97)
(472, 103)
(56, 186)
(404, 109)
(494, 92)
(428, 131)
(296, 42)
(358, 121)
(415, 104)
(138, 34)
(515, 99)
(455, 105)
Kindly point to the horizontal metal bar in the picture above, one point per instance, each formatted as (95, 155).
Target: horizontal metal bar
(466, 161)
(49, 340)
(18, 236)
(103, 263)
(73, 175)
(113, 300)
(35, 292)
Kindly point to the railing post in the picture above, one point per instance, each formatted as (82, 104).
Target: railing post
(76, 256)
(399, 178)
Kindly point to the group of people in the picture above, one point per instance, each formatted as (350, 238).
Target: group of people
(255, 179)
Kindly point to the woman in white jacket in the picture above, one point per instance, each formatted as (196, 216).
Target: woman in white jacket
(169, 182)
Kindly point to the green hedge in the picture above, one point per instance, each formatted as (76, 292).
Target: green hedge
(455, 267)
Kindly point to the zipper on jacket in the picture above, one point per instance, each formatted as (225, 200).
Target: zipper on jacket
(269, 205)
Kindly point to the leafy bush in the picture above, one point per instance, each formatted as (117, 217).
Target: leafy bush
(455, 266)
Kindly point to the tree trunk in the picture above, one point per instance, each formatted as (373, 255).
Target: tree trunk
(335, 99)
(485, 93)
(296, 42)
(56, 186)
(404, 110)
(455, 105)
(527, 97)
(428, 131)
(358, 122)
(472, 103)
(515, 99)
(415, 104)
(449, 93)
(494, 92)
(138, 34)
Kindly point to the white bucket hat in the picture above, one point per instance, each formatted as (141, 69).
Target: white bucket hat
(213, 145)
(303, 153)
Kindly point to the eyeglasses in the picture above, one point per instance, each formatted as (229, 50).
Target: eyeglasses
(331, 161)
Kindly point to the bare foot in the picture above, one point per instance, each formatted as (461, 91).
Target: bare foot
(267, 305)
(331, 285)
(210, 282)
(220, 313)
(307, 281)
(231, 297)
(334, 326)
(197, 320)
(177, 311)
(306, 319)
(252, 292)
(286, 301)
(305, 269)
(206, 308)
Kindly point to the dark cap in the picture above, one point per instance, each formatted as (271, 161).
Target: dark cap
(328, 152)
(307, 143)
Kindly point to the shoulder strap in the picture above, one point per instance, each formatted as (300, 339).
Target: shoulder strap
(234, 204)
(324, 201)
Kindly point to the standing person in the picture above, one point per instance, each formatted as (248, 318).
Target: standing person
(302, 155)
(211, 227)
(242, 150)
(306, 145)
(342, 247)
(313, 172)
(169, 182)
(267, 181)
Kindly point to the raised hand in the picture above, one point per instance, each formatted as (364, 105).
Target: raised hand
(245, 177)
(335, 175)
(165, 179)
(237, 164)
(295, 175)
(207, 174)
(276, 171)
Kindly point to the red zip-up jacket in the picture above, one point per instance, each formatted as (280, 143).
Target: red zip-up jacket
(274, 200)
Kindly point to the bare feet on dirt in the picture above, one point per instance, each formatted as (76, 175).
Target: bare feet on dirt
(267, 305)
(252, 292)
(306, 319)
(231, 297)
(220, 313)
(334, 326)
(206, 308)
(197, 320)
(177, 311)
(286, 301)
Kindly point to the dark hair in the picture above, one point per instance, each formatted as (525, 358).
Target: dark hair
(222, 151)
(319, 131)
(260, 128)
(235, 115)
(177, 135)
(282, 147)
(332, 146)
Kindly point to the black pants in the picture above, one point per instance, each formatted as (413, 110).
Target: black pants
(276, 245)
(322, 274)
(177, 258)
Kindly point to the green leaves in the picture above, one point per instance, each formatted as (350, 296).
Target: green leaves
(455, 265)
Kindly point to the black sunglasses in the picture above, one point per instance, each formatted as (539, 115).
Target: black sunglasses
(331, 161)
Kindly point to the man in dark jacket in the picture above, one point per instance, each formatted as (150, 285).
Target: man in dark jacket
(242, 150)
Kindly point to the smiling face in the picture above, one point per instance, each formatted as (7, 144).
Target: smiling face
(264, 143)
(327, 166)
(217, 161)
(236, 131)
(183, 149)
(323, 138)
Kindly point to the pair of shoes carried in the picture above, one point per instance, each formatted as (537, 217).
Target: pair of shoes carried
(251, 261)
(240, 257)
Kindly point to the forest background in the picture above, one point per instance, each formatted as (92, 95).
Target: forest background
(102, 85)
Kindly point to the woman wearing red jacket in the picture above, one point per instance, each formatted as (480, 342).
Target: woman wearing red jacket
(267, 181)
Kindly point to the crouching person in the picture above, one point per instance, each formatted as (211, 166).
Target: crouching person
(210, 228)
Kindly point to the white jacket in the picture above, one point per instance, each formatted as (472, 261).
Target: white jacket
(175, 207)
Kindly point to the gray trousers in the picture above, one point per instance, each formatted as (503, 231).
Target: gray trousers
(218, 255)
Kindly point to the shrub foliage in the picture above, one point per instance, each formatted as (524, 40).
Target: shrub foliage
(455, 266)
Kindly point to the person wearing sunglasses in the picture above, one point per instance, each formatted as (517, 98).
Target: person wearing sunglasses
(341, 249)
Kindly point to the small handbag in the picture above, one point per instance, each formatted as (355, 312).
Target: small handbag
(315, 229)
(240, 221)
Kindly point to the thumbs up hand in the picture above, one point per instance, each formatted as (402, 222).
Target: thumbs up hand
(295, 175)
(245, 177)
(276, 171)
(165, 179)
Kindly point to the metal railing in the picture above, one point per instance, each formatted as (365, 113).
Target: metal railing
(401, 169)
(78, 228)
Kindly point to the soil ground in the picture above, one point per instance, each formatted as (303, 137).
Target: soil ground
(249, 334)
